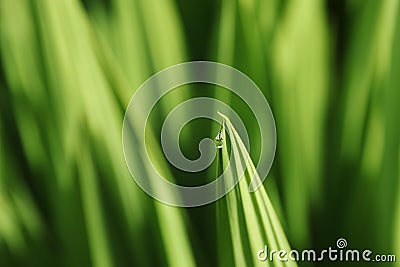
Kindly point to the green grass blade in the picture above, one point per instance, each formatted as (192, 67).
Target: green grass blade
(252, 219)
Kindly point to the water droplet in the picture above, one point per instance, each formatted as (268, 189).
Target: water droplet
(219, 139)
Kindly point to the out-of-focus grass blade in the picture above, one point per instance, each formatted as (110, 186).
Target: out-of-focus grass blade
(163, 33)
(396, 230)
(389, 66)
(170, 220)
(366, 63)
(63, 100)
(370, 126)
(391, 114)
(299, 89)
(226, 32)
(92, 207)
(20, 220)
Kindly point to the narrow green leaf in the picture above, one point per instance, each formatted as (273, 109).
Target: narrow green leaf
(251, 218)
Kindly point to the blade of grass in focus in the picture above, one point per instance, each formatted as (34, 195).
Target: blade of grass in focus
(246, 221)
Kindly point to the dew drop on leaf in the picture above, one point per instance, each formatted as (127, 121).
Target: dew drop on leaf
(219, 139)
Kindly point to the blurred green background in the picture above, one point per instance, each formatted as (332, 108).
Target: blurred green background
(329, 69)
